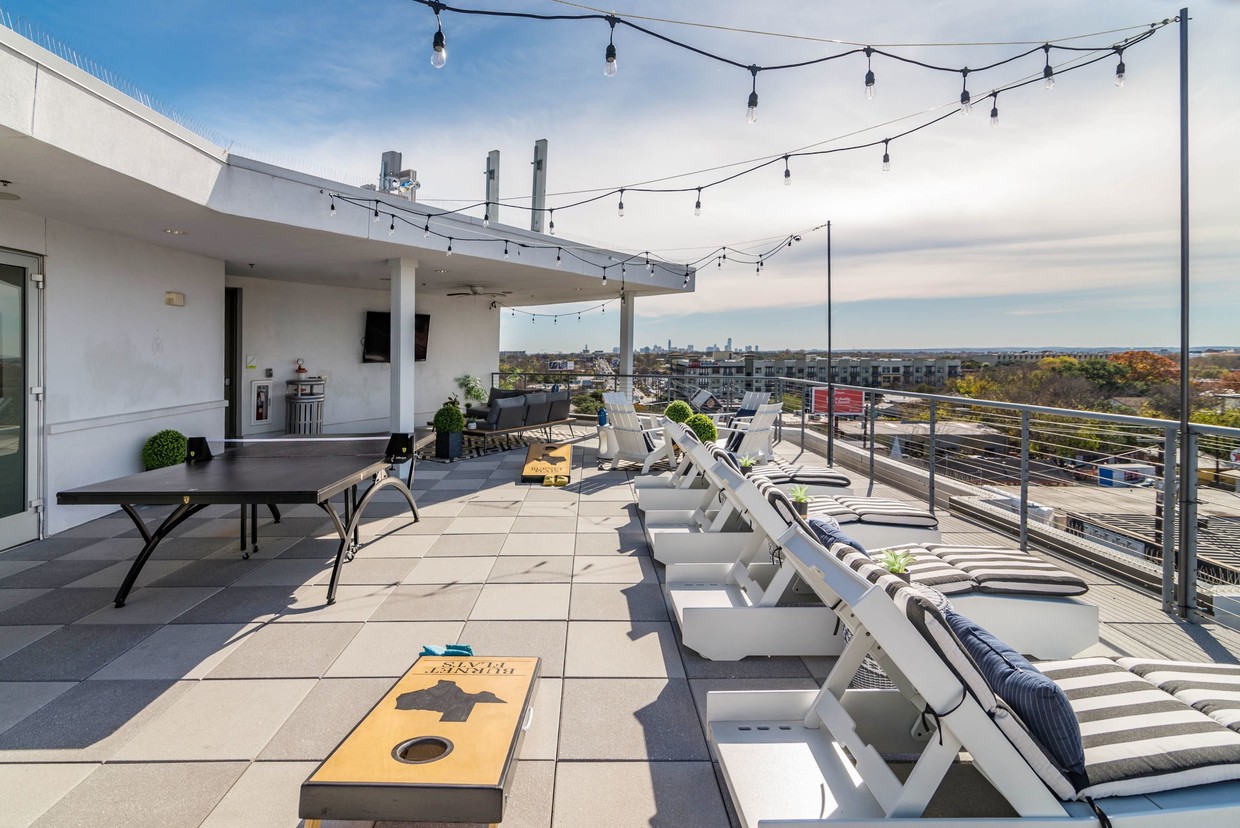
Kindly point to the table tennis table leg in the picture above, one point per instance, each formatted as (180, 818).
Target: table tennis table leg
(171, 522)
(350, 530)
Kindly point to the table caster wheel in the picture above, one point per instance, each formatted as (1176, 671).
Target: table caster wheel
(245, 556)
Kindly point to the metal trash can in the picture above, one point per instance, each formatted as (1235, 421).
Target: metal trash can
(303, 401)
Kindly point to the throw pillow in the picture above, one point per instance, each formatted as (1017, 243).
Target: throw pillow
(828, 531)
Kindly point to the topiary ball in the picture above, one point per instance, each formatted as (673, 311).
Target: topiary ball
(449, 418)
(678, 411)
(167, 448)
(703, 427)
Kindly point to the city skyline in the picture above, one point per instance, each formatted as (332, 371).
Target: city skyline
(1060, 226)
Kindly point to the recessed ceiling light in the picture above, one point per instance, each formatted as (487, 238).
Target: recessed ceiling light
(174, 231)
(441, 271)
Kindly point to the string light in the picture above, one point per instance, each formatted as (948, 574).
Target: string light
(966, 102)
(505, 248)
(751, 115)
(392, 226)
(787, 173)
(886, 156)
(449, 246)
(375, 220)
(994, 109)
(697, 205)
(609, 68)
(557, 257)
(486, 218)
(331, 212)
(869, 75)
(439, 45)
(426, 229)
(1047, 72)
(620, 209)
(604, 277)
(1119, 70)
(649, 266)
(551, 227)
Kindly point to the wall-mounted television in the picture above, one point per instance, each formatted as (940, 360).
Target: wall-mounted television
(377, 341)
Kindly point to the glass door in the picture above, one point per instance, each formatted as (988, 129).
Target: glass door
(19, 394)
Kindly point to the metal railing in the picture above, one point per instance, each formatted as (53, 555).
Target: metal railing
(1097, 487)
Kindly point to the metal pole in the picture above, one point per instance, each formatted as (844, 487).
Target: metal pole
(1168, 521)
(804, 388)
(873, 418)
(830, 364)
(1024, 481)
(934, 417)
(1188, 478)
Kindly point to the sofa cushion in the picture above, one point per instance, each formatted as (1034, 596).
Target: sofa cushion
(1214, 689)
(537, 407)
(827, 530)
(507, 412)
(1039, 702)
(561, 405)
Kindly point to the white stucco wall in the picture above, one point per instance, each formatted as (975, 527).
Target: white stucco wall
(118, 363)
(282, 321)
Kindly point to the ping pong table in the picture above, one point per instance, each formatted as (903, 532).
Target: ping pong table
(247, 480)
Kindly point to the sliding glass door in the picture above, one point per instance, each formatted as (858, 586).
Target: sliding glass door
(19, 395)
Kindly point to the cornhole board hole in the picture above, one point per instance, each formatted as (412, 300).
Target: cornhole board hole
(547, 460)
(441, 746)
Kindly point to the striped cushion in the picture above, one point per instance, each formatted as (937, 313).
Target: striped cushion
(830, 507)
(889, 512)
(1214, 689)
(932, 571)
(996, 569)
(778, 471)
(1139, 739)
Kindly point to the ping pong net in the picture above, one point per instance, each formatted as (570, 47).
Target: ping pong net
(396, 448)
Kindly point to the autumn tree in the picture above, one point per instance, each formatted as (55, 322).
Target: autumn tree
(1147, 367)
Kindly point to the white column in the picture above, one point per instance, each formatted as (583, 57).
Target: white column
(626, 345)
(404, 286)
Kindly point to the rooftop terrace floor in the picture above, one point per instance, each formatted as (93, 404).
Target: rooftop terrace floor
(214, 692)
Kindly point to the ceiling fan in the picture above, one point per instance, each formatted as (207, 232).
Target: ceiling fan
(478, 290)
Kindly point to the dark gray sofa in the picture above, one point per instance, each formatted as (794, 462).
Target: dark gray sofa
(509, 412)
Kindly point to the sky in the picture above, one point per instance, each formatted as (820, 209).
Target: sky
(1058, 228)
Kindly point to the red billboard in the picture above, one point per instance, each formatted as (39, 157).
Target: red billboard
(847, 401)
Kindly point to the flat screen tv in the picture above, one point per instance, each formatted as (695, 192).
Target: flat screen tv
(377, 342)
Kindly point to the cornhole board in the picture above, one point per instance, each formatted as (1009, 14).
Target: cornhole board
(441, 746)
(546, 460)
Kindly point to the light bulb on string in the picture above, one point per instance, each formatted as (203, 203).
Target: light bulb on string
(751, 114)
(449, 245)
(787, 173)
(505, 248)
(557, 257)
(439, 45)
(426, 229)
(604, 277)
(609, 67)
(551, 226)
(994, 110)
(649, 266)
(869, 75)
(375, 219)
(697, 205)
(1047, 72)
(966, 101)
(486, 219)
(392, 226)
(331, 211)
(620, 208)
(886, 156)
(1119, 69)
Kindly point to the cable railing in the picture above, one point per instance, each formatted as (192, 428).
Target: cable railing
(1097, 487)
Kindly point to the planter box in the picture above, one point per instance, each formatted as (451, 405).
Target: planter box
(448, 445)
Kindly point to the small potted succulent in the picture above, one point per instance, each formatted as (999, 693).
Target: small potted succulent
(449, 423)
(799, 495)
(703, 427)
(895, 561)
(678, 411)
(747, 463)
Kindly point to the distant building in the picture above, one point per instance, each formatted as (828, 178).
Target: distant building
(763, 374)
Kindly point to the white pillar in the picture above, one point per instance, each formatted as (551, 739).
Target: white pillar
(404, 286)
(626, 346)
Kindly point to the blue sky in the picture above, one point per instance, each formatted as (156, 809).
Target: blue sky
(1058, 228)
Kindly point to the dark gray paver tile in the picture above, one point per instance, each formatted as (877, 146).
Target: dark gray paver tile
(218, 573)
(58, 606)
(520, 638)
(697, 667)
(18, 699)
(13, 639)
(239, 604)
(72, 653)
(324, 717)
(287, 651)
(428, 602)
(48, 549)
(321, 549)
(10, 598)
(52, 574)
(629, 719)
(178, 651)
(144, 796)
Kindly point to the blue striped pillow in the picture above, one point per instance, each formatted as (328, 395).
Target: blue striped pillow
(1039, 702)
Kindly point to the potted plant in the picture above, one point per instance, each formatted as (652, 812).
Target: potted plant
(895, 561)
(678, 411)
(166, 448)
(703, 427)
(747, 463)
(471, 388)
(799, 495)
(449, 423)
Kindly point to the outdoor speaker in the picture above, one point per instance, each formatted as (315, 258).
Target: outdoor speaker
(399, 449)
(197, 449)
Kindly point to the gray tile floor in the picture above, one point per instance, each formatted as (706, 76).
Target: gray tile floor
(209, 698)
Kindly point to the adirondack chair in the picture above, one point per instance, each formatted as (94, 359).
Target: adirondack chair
(629, 439)
(755, 437)
(747, 408)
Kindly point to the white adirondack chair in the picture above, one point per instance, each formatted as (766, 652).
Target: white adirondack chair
(750, 402)
(755, 437)
(629, 439)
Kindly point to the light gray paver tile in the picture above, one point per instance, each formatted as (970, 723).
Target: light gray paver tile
(114, 575)
(465, 546)
(554, 508)
(18, 699)
(393, 546)
(239, 605)
(266, 794)
(71, 653)
(380, 571)
(425, 526)
(13, 639)
(285, 572)
(460, 484)
(608, 523)
(326, 715)
(452, 570)
(151, 605)
(429, 602)
(446, 508)
(491, 508)
(353, 603)
(480, 526)
(217, 720)
(613, 570)
(612, 543)
(144, 796)
(542, 740)
(617, 602)
(637, 795)
(630, 719)
(178, 651)
(544, 639)
(384, 648)
(550, 494)
(520, 569)
(522, 602)
(41, 786)
(287, 651)
(526, 524)
(545, 544)
(641, 649)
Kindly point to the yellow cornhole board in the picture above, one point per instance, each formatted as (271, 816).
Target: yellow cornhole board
(439, 747)
(547, 460)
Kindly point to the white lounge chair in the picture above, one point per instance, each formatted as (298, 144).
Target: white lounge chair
(817, 758)
(629, 439)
